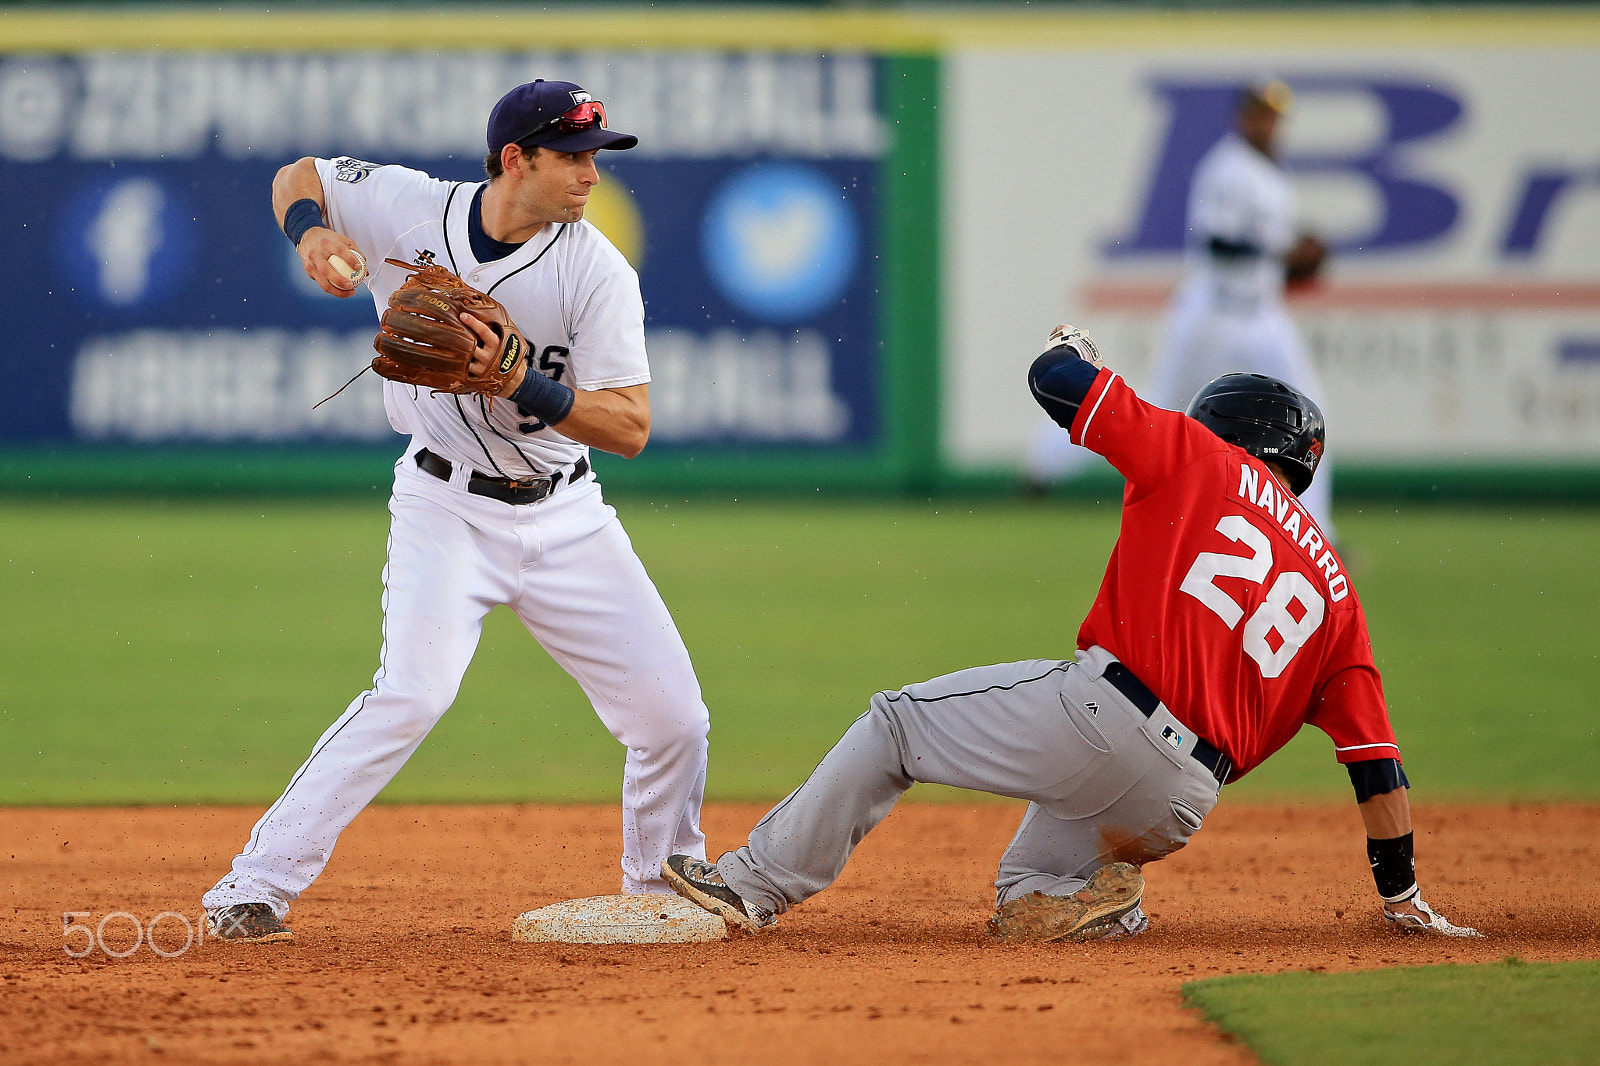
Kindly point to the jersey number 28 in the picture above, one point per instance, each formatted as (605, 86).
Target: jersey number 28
(1273, 616)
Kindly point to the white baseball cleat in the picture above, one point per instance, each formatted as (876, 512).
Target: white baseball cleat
(1435, 922)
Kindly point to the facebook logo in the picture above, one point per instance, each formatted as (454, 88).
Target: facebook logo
(1413, 208)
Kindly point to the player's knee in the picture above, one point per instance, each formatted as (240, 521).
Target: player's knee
(681, 732)
(691, 734)
(409, 708)
(881, 725)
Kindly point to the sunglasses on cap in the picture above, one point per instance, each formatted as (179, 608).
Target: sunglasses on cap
(586, 116)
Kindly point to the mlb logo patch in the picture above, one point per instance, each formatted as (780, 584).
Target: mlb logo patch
(1172, 736)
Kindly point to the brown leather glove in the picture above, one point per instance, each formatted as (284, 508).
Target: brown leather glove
(1303, 262)
(422, 341)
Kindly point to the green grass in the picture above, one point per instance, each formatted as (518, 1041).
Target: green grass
(1483, 623)
(194, 651)
(1506, 1013)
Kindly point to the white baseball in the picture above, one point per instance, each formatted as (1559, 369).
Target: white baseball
(352, 274)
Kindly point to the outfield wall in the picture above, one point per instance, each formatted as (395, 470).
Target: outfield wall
(851, 228)
(1453, 163)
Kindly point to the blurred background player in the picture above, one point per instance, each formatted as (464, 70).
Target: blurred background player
(1228, 313)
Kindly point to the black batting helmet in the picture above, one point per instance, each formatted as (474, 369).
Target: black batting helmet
(1269, 419)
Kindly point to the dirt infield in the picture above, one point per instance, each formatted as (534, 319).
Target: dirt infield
(403, 949)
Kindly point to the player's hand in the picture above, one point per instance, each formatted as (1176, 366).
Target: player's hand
(1415, 916)
(490, 345)
(317, 249)
(1065, 336)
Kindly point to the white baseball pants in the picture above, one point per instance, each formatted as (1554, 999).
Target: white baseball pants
(566, 567)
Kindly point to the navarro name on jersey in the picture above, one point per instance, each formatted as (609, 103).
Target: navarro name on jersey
(1281, 507)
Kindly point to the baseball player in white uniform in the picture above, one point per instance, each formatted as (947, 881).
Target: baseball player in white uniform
(1228, 314)
(494, 501)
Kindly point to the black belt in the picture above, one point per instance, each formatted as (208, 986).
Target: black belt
(504, 489)
(1123, 681)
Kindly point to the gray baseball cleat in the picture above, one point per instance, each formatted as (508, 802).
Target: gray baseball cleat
(701, 884)
(247, 923)
(1113, 927)
(1088, 914)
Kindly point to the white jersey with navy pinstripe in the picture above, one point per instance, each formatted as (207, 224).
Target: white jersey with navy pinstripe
(562, 564)
(569, 291)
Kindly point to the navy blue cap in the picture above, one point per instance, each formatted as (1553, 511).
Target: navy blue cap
(527, 115)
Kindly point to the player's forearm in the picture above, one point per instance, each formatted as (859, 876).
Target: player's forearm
(330, 259)
(297, 181)
(613, 420)
(1387, 815)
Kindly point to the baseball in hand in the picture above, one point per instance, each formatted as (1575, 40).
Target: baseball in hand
(352, 274)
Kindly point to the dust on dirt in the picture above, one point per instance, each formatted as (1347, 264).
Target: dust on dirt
(403, 949)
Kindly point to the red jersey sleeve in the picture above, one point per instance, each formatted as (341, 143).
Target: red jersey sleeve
(1144, 442)
(1350, 705)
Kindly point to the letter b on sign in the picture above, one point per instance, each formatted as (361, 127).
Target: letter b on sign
(1412, 209)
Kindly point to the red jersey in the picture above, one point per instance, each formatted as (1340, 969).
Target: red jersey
(1222, 595)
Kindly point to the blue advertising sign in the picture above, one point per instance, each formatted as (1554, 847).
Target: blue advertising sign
(165, 305)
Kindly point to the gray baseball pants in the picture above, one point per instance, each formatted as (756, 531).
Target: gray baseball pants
(1102, 782)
